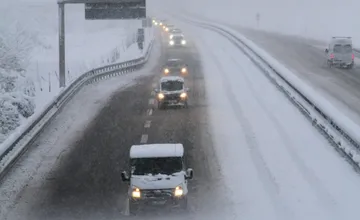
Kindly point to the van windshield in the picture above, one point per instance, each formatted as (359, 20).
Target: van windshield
(173, 63)
(162, 165)
(339, 48)
(172, 85)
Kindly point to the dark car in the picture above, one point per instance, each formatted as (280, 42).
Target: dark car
(175, 67)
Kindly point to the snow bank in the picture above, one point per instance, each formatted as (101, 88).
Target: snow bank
(316, 19)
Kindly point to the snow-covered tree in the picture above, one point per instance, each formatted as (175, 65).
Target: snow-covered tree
(9, 116)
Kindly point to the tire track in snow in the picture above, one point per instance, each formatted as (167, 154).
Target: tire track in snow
(267, 178)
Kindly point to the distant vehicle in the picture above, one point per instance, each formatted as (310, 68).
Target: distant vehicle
(155, 22)
(158, 176)
(172, 92)
(177, 40)
(175, 66)
(174, 32)
(340, 52)
(162, 22)
(169, 27)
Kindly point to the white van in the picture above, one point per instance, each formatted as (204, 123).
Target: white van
(158, 176)
(340, 52)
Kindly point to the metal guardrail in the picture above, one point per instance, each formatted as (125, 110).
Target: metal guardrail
(15, 149)
(320, 119)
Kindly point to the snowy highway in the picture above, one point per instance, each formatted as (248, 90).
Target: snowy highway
(254, 155)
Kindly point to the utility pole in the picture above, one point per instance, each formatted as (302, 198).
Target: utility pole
(62, 45)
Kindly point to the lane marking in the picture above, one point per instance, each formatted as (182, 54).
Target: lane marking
(147, 124)
(144, 139)
(151, 101)
(153, 93)
(150, 111)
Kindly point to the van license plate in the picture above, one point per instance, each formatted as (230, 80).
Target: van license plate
(158, 202)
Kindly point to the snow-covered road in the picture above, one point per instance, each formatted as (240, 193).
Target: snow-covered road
(272, 158)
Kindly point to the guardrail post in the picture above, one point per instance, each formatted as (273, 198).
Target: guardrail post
(62, 82)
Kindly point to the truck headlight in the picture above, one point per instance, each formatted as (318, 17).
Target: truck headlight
(178, 191)
(166, 70)
(171, 42)
(183, 70)
(183, 95)
(161, 96)
(136, 192)
(183, 42)
(166, 29)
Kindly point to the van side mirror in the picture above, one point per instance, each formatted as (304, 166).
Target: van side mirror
(189, 174)
(156, 90)
(326, 50)
(124, 176)
(187, 89)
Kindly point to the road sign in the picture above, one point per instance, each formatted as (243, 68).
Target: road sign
(126, 9)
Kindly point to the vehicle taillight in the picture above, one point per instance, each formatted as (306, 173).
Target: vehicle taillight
(353, 56)
(332, 56)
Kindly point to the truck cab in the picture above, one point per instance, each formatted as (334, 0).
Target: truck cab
(158, 176)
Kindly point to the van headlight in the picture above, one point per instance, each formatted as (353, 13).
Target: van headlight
(183, 70)
(178, 191)
(171, 42)
(183, 95)
(166, 70)
(166, 29)
(161, 96)
(183, 42)
(135, 192)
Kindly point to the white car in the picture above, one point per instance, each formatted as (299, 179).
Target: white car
(177, 41)
(172, 91)
(158, 176)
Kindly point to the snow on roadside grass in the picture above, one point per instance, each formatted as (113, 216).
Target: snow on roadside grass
(83, 52)
(45, 97)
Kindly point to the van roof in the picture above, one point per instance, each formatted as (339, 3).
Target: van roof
(171, 78)
(157, 150)
(341, 41)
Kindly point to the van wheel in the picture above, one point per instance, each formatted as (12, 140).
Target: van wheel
(160, 106)
(184, 203)
(133, 208)
(329, 63)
